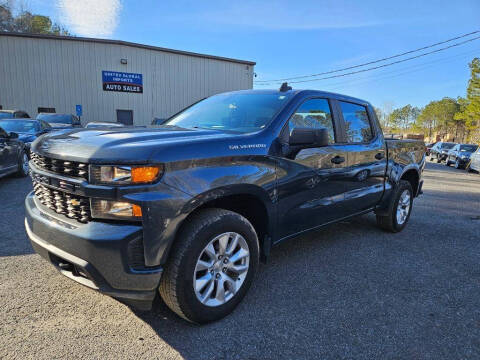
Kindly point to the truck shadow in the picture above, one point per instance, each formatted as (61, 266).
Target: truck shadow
(313, 265)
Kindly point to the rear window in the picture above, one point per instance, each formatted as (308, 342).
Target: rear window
(468, 148)
(55, 118)
(357, 125)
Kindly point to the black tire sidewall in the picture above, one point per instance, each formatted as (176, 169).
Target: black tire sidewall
(404, 185)
(192, 307)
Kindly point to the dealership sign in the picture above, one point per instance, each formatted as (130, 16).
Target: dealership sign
(123, 82)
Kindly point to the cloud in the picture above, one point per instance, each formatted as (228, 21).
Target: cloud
(95, 18)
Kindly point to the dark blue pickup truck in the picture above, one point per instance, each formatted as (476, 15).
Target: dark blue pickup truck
(188, 209)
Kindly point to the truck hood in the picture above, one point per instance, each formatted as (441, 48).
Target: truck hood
(126, 146)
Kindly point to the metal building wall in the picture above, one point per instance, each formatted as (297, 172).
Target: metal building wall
(44, 72)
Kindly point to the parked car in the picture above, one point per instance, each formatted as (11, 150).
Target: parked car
(474, 163)
(98, 124)
(189, 208)
(439, 151)
(27, 129)
(60, 121)
(14, 114)
(428, 148)
(460, 155)
(13, 156)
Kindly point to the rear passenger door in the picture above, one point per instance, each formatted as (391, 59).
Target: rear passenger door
(366, 156)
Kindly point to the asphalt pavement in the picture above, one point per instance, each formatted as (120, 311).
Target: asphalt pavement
(349, 291)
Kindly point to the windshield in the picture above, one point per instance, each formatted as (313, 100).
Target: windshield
(468, 148)
(56, 118)
(239, 112)
(447, 145)
(6, 115)
(18, 126)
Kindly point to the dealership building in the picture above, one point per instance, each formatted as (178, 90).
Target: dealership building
(109, 80)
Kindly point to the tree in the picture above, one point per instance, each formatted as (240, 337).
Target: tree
(26, 22)
(439, 116)
(403, 118)
(469, 112)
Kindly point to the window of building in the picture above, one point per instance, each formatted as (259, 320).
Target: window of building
(357, 125)
(46, 110)
(314, 113)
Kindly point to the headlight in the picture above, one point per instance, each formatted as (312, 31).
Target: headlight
(115, 210)
(124, 175)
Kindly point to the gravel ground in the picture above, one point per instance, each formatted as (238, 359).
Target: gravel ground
(349, 291)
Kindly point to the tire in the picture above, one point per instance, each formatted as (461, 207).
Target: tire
(390, 222)
(178, 280)
(23, 167)
(457, 164)
(439, 159)
(447, 162)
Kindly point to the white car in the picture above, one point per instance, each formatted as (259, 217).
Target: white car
(475, 160)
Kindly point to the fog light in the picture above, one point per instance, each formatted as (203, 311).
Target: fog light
(115, 210)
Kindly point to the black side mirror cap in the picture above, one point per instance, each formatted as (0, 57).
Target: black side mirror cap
(308, 138)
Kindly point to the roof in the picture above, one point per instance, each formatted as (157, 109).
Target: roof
(125, 43)
(306, 92)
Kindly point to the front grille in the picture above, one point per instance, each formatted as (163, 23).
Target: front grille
(62, 167)
(73, 206)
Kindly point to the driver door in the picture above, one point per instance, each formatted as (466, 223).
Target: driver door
(311, 181)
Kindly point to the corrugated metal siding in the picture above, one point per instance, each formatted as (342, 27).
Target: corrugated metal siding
(36, 72)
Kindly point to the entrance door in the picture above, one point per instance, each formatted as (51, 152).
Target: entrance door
(125, 117)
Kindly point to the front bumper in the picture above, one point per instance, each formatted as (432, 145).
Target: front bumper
(96, 254)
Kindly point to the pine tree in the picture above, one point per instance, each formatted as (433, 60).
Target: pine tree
(471, 108)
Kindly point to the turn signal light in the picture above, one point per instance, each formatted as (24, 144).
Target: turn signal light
(144, 174)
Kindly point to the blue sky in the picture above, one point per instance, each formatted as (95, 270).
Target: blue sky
(289, 38)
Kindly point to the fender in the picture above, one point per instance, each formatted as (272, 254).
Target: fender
(394, 173)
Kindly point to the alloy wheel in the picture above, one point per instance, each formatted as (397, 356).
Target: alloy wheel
(221, 269)
(403, 207)
(25, 163)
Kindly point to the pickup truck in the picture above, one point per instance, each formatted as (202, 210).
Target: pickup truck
(188, 209)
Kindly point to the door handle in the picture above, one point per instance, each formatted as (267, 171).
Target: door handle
(338, 159)
(379, 156)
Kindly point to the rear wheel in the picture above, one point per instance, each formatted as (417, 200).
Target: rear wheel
(400, 209)
(211, 266)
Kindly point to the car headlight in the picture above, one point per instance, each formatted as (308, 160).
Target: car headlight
(124, 175)
(115, 210)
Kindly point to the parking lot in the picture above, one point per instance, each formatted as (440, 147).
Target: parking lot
(348, 291)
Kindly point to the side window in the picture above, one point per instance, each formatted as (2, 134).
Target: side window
(357, 125)
(313, 113)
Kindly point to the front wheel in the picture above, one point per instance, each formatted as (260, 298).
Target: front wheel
(447, 162)
(457, 164)
(23, 165)
(399, 212)
(211, 266)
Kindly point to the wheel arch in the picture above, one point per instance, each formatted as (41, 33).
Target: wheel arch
(250, 201)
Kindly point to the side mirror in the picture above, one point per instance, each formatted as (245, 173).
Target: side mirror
(13, 135)
(308, 138)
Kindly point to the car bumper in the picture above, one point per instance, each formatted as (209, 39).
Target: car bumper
(97, 254)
